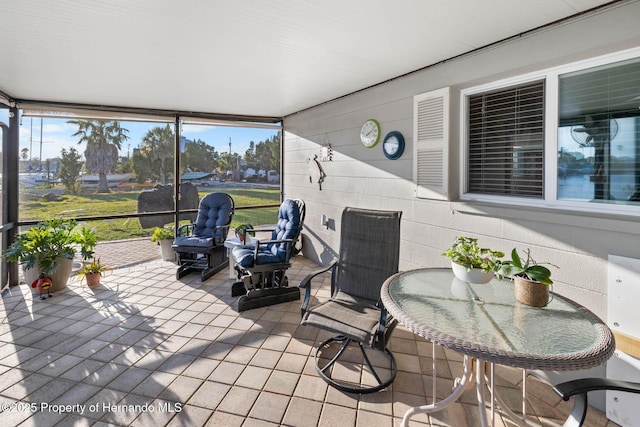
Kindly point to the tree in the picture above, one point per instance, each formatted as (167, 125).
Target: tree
(142, 167)
(199, 157)
(24, 153)
(125, 165)
(70, 167)
(227, 162)
(157, 145)
(104, 139)
(250, 154)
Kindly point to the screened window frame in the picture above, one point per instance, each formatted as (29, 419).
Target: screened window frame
(551, 121)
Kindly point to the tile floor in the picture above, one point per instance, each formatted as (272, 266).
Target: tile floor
(144, 349)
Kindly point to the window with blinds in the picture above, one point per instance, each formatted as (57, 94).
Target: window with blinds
(506, 141)
(599, 134)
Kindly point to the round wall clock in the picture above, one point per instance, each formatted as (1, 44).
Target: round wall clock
(393, 145)
(370, 133)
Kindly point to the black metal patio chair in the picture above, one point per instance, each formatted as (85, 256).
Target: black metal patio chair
(369, 254)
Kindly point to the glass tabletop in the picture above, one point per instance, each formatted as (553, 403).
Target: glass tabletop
(486, 321)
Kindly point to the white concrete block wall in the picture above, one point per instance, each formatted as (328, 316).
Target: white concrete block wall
(577, 242)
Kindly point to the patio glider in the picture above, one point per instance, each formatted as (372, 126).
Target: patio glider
(579, 389)
(369, 254)
(200, 245)
(262, 265)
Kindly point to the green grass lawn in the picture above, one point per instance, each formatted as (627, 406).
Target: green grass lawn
(34, 207)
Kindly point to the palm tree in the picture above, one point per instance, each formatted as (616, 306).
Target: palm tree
(158, 144)
(104, 139)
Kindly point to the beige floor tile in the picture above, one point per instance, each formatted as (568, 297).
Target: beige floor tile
(303, 413)
(146, 337)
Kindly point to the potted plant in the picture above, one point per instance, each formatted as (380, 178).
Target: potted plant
(92, 271)
(531, 280)
(164, 236)
(241, 233)
(470, 262)
(48, 248)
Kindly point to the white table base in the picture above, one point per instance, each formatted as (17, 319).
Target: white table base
(472, 369)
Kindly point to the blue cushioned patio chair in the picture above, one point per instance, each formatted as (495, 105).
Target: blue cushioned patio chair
(200, 245)
(262, 266)
(369, 254)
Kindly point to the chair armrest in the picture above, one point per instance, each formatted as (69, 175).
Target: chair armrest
(585, 385)
(306, 283)
(579, 390)
(185, 230)
(259, 243)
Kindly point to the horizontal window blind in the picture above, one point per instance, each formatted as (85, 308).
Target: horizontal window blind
(506, 141)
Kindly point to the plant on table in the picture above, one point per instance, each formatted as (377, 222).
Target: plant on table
(529, 269)
(241, 231)
(42, 245)
(466, 252)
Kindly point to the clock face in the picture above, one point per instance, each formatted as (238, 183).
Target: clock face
(393, 145)
(370, 133)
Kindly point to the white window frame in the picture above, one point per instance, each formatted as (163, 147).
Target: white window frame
(550, 190)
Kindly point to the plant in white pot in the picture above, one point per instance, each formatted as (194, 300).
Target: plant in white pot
(48, 249)
(470, 262)
(164, 236)
(531, 280)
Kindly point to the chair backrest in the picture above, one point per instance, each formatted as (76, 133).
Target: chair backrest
(289, 226)
(215, 210)
(369, 251)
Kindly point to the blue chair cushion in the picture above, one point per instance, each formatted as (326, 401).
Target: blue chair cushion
(288, 227)
(244, 256)
(215, 210)
(194, 241)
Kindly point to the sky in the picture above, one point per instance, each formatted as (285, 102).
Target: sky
(56, 134)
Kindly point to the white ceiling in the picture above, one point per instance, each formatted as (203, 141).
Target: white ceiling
(259, 58)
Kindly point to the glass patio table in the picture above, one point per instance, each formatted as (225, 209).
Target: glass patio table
(487, 325)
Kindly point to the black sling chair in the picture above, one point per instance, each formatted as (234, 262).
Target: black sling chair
(369, 254)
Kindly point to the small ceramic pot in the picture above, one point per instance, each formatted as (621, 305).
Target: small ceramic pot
(475, 275)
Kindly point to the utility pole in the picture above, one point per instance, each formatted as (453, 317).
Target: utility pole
(229, 145)
(41, 124)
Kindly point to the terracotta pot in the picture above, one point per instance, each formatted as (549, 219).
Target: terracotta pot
(93, 279)
(474, 276)
(530, 292)
(60, 277)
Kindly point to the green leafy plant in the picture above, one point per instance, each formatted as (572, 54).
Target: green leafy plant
(530, 269)
(242, 229)
(42, 244)
(162, 233)
(93, 267)
(466, 252)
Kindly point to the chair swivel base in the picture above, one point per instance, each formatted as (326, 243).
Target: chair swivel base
(349, 387)
(256, 298)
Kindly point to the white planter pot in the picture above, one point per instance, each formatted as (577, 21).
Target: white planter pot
(168, 253)
(475, 275)
(59, 278)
